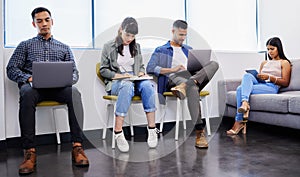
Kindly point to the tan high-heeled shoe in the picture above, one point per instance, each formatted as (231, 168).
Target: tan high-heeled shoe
(245, 108)
(237, 128)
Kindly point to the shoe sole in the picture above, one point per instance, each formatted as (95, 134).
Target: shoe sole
(85, 164)
(27, 173)
(81, 164)
(201, 147)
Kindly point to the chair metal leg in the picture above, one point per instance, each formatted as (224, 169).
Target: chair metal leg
(177, 118)
(163, 118)
(183, 112)
(130, 122)
(56, 124)
(206, 114)
(107, 121)
(113, 143)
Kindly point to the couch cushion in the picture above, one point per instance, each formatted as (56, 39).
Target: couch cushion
(263, 102)
(294, 101)
(294, 81)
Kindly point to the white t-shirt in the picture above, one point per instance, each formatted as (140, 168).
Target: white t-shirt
(125, 62)
(179, 57)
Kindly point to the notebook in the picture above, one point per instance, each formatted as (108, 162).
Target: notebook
(52, 74)
(133, 78)
(197, 59)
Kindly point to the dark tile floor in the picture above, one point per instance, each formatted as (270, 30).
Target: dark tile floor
(266, 151)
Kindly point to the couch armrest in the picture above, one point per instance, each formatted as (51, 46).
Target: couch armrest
(225, 86)
(229, 84)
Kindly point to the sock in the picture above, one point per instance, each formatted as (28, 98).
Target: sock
(151, 127)
(118, 132)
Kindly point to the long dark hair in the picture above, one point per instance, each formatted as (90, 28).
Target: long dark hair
(129, 25)
(276, 42)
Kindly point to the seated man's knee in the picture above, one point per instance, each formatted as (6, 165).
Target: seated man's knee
(27, 92)
(215, 65)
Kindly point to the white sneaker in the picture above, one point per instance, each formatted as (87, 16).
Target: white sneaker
(152, 137)
(121, 142)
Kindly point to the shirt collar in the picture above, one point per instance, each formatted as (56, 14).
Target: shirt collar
(40, 37)
(168, 45)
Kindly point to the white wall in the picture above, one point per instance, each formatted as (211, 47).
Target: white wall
(2, 97)
(280, 18)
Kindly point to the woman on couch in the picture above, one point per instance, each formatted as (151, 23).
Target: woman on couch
(273, 74)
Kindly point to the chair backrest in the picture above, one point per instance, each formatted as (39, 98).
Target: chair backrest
(98, 72)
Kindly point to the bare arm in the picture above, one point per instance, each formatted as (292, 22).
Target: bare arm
(285, 72)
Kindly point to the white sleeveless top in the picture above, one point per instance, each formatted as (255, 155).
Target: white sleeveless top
(273, 68)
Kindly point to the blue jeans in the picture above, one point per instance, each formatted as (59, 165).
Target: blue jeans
(127, 89)
(249, 86)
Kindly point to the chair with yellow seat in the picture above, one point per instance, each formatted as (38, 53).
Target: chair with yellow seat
(53, 105)
(111, 101)
(181, 111)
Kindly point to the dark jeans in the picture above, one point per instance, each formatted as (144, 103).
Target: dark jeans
(203, 76)
(29, 97)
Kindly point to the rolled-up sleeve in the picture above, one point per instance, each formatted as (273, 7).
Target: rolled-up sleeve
(153, 64)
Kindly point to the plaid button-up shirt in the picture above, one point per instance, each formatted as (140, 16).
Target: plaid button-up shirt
(19, 67)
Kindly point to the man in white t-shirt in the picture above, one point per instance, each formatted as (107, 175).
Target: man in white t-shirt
(169, 63)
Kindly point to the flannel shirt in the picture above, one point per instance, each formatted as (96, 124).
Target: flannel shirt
(19, 67)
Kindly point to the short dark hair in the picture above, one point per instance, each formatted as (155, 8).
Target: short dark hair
(38, 10)
(180, 24)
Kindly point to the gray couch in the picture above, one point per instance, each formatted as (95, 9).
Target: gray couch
(281, 109)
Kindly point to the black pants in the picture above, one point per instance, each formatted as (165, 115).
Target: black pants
(29, 97)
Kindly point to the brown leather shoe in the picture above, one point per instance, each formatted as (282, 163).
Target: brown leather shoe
(201, 140)
(179, 91)
(29, 163)
(79, 158)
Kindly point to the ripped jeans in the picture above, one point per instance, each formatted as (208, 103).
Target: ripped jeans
(127, 89)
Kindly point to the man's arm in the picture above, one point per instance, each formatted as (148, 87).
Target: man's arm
(16, 63)
(172, 70)
(153, 64)
(70, 57)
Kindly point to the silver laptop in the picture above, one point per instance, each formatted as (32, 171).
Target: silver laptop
(52, 74)
(197, 59)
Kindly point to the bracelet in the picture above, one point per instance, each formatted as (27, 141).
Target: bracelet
(268, 80)
(275, 80)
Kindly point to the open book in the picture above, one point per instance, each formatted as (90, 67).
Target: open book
(133, 78)
(254, 73)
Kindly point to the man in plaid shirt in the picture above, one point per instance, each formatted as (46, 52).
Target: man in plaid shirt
(44, 47)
